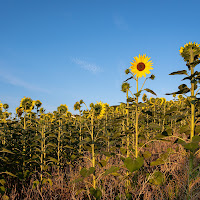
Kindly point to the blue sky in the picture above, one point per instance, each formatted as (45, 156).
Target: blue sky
(62, 51)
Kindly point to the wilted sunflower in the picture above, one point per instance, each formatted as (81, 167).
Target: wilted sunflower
(141, 66)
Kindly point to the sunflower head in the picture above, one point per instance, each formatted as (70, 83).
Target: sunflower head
(38, 103)
(125, 87)
(68, 114)
(62, 109)
(152, 100)
(27, 104)
(19, 111)
(190, 49)
(5, 106)
(141, 66)
(100, 109)
(144, 98)
(41, 110)
(77, 106)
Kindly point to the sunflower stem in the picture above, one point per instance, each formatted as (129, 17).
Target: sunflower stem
(136, 123)
(192, 97)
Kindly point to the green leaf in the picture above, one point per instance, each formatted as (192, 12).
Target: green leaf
(52, 159)
(179, 72)
(5, 197)
(196, 139)
(68, 147)
(191, 146)
(91, 170)
(155, 126)
(150, 91)
(103, 163)
(123, 150)
(78, 180)
(173, 109)
(113, 169)
(8, 173)
(133, 165)
(84, 172)
(159, 161)
(157, 178)
(197, 129)
(147, 154)
(2, 189)
(2, 181)
(96, 193)
(35, 184)
(6, 151)
(138, 93)
(184, 128)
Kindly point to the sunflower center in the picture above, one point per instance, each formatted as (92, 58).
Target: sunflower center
(141, 66)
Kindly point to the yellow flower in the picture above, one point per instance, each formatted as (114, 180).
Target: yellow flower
(141, 66)
(1, 105)
(100, 109)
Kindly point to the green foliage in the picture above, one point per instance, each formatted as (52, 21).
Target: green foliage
(133, 164)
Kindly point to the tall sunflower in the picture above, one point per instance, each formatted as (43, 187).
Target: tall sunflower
(188, 49)
(141, 66)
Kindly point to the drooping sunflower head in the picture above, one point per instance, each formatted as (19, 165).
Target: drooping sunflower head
(141, 66)
(38, 103)
(144, 98)
(164, 100)
(190, 49)
(159, 101)
(125, 87)
(68, 114)
(5, 106)
(27, 104)
(62, 109)
(77, 106)
(19, 111)
(152, 100)
(41, 110)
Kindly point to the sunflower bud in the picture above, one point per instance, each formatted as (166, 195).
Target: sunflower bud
(125, 87)
(127, 71)
(152, 77)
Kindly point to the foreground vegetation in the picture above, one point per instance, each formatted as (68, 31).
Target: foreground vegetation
(146, 149)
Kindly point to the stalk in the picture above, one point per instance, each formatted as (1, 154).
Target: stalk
(127, 123)
(42, 153)
(59, 134)
(192, 98)
(136, 123)
(93, 155)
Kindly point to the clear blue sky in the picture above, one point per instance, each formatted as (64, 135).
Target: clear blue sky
(61, 51)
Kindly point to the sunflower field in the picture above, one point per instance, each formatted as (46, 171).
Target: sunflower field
(144, 148)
